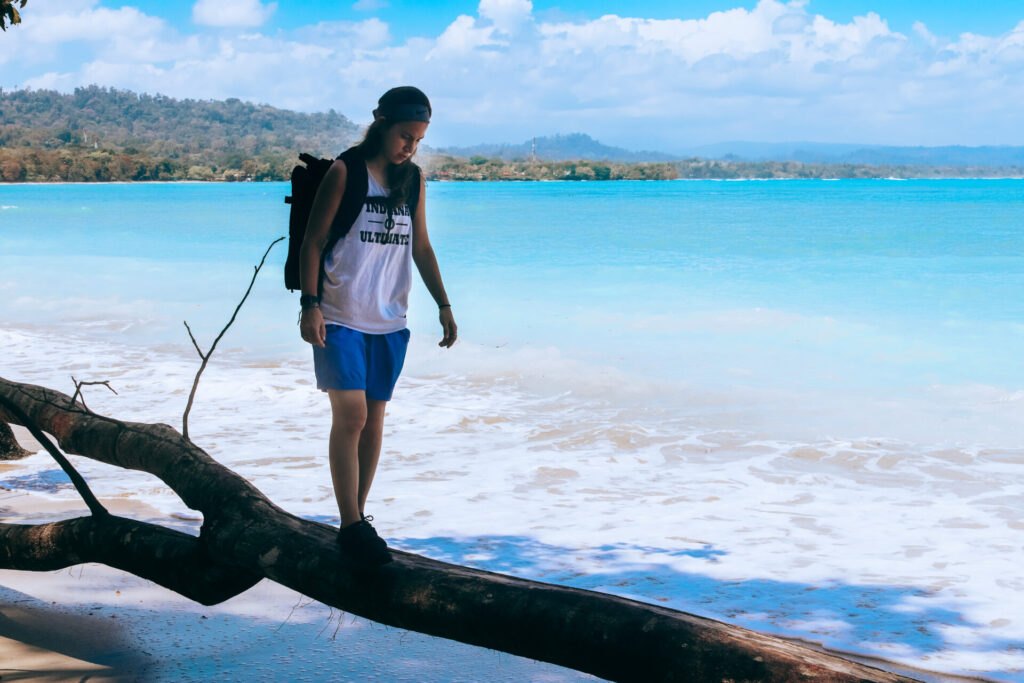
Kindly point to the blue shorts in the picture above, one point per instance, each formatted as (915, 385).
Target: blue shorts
(356, 360)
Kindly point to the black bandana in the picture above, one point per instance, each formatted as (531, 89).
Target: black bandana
(406, 112)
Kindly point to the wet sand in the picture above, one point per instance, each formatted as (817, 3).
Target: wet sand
(100, 624)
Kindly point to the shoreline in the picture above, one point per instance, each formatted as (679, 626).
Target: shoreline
(5, 183)
(61, 621)
(93, 621)
(511, 181)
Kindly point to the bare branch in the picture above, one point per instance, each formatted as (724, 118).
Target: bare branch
(206, 356)
(79, 394)
(193, 338)
(95, 506)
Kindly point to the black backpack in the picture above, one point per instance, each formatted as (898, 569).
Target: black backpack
(305, 181)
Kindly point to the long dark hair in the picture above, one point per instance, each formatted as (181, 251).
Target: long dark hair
(400, 176)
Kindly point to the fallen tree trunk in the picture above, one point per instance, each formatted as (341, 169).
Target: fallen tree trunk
(244, 536)
(170, 558)
(10, 449)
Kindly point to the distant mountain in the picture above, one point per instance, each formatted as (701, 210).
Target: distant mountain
(827, 153)
(557, 148)
(581, 146)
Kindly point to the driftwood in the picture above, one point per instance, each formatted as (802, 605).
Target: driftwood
(245, 537)
(10, 449)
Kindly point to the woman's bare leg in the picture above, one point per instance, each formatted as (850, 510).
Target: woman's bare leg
(369, 447)
(348, 420)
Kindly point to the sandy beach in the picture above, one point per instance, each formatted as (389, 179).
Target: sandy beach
(91, 622)
(104, 625)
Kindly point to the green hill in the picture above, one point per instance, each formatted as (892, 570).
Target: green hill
(106, 134)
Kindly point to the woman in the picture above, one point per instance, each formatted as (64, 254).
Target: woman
(353, 309)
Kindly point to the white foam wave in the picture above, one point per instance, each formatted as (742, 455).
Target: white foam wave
(525, 460)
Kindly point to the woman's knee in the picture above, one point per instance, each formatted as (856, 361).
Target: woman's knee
(348, 412)
(374, 424)
(349, 424)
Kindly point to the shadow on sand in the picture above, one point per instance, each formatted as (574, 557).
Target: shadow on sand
(894, 623)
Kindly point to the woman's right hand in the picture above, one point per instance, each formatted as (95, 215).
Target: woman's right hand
(312, 327)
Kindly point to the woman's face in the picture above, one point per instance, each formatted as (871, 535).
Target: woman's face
(402, 139)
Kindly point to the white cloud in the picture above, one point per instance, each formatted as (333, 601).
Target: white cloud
(371, 34)
(922, 32)
(462, 37)
(232, 12)
(506, 15)
(66, 21)
(774, 72)
(90, 23)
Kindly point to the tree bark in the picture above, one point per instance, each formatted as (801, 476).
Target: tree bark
(244, 537)
(170, 558)
(10, 449)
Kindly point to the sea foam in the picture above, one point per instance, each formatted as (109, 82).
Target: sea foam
(862, 544)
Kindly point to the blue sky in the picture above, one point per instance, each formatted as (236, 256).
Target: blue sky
(642, 74)
(409, 18)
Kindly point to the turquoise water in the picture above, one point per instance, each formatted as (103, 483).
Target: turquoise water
(864, 283)
(793, 405)
(936, 264)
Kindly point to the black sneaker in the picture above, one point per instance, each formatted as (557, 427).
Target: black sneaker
(362, 545)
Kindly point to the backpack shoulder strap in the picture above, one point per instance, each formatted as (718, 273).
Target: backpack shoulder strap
(356, 185)
(352, 201)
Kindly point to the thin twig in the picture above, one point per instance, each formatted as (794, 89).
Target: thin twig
(194, 342)
(290, 613)
(95, 506)
(78, 390)
(330, 616)
(206, 356)
(337, 627)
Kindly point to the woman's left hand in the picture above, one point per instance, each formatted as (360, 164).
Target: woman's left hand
(448, 325)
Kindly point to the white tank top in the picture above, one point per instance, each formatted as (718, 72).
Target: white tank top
(368, 274)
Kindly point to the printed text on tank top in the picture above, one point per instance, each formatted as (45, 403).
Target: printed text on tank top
(368, 274)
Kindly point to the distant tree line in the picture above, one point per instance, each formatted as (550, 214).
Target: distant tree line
(99, 133)
(697, 168)
(105, 134)
(92, 165)
(481, 168)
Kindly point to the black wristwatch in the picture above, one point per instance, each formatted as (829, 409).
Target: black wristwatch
(309, 301)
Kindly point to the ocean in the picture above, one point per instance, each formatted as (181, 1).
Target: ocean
(792, 405)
